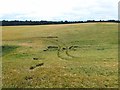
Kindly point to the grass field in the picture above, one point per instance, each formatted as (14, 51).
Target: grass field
(60, 56)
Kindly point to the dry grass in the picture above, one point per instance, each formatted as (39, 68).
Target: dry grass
(93, 64)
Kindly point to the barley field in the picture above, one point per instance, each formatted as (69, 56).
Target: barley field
(60, 56)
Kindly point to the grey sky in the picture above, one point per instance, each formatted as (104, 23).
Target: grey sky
(58, 9)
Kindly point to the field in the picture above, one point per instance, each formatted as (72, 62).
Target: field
(60, 56)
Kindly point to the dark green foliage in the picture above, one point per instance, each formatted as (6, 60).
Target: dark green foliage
(7, 49)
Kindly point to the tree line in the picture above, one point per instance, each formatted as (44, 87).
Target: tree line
(17, 22)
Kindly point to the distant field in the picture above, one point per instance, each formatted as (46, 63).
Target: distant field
(60, 56)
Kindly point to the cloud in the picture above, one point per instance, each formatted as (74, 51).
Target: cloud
(58, 9)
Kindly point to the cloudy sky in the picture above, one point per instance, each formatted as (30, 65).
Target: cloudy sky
(58, 9)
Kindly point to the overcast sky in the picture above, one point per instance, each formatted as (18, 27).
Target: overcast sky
(58, 9)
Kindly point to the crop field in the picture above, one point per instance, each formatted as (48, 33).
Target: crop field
(60, 56)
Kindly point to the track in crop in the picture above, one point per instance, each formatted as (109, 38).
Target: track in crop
(63, 49)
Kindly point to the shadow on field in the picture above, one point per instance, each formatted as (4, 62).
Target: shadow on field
(6, 49)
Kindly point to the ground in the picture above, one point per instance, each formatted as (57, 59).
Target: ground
(60, 56)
